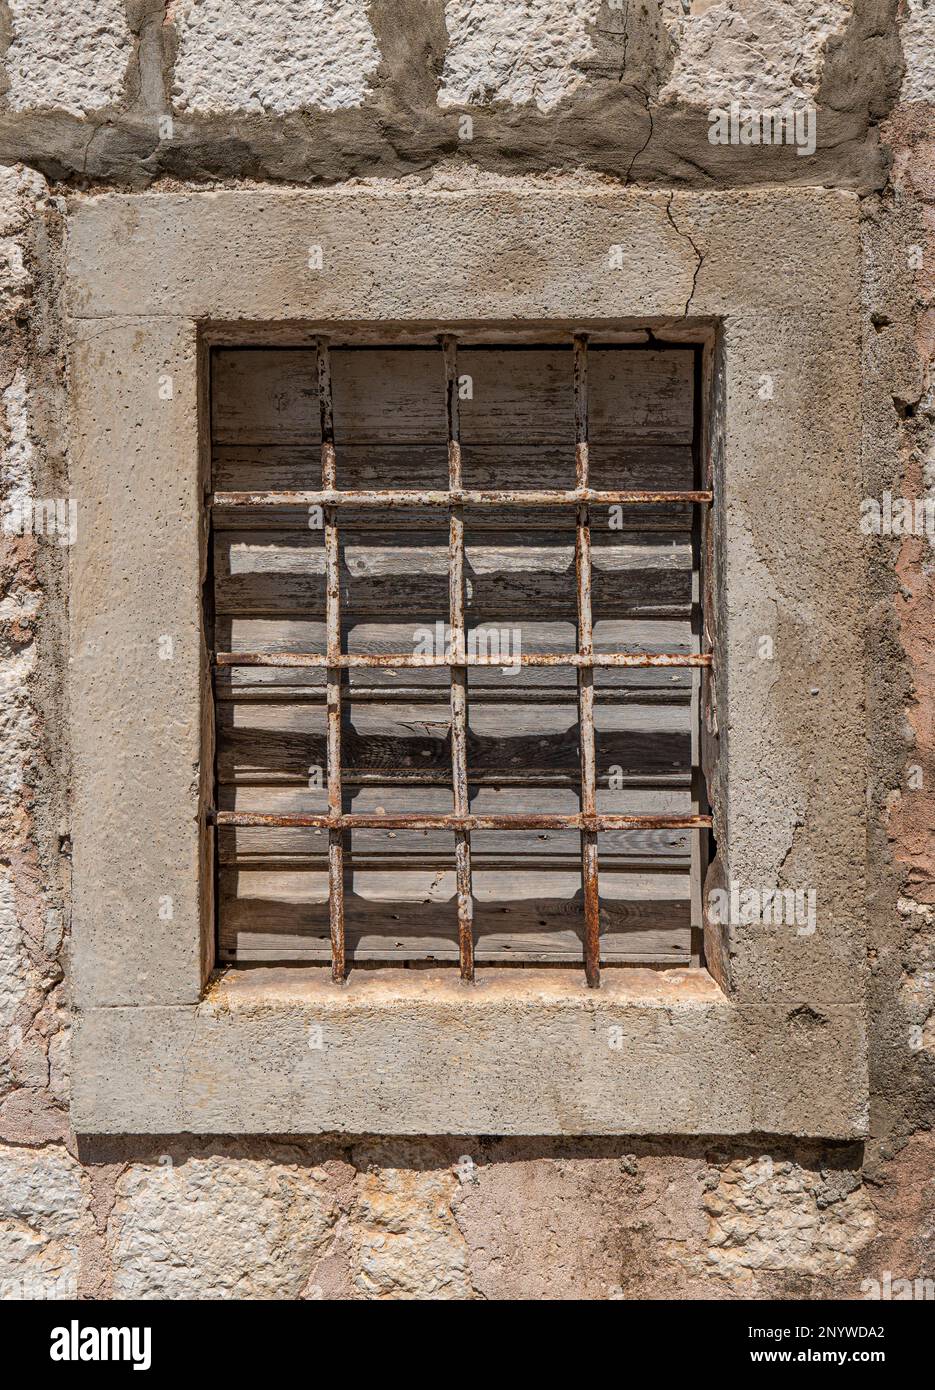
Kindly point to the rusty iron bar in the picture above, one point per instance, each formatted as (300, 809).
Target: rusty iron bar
(407, 659)
(587, 824)
(457, 496)
(420, 777)
(458, 667)
(589, 869)
(334, 668)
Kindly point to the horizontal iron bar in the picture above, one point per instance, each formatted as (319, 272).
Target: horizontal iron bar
(408, 659)
(416, 777)
(455, 497)
(469, 822)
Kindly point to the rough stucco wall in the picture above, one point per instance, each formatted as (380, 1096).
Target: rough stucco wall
(622, 90)
(515, 52)
(309, 90)
(68, 56)
(766, 52)
(274, 56)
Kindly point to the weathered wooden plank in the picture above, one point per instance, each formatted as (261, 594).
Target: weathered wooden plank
(501, 738)
(411, 915)
(270, 395)
(631, 464)
(243, 752)
(507, 722)
(510, 552)
(278, 573)
(528, 393)
(302, 693)
(244, 633)
(258, 842)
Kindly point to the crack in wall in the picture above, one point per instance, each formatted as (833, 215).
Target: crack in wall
(699, 255)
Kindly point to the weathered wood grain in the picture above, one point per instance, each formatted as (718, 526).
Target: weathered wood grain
(618, 848)
(269, 396)
(246, 633)
(629, 464)
(277, 573)
(501, 738)
(389, 915)
(517, 431)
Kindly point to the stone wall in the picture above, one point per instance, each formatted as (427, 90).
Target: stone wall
(226, 92)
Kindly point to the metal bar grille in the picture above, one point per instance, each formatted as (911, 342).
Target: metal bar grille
(333, 637)
(458, 660)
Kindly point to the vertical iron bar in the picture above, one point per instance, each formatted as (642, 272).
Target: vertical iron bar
(701, 520)
(333, 672)
(456, 605)
(589, 872)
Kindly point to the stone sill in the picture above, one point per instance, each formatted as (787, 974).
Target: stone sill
(522, 1052)
(257, 987)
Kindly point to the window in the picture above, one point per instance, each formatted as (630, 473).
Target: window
(769, 1037)
(457, 649)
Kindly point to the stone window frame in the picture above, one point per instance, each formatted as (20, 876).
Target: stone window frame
(770, 1038)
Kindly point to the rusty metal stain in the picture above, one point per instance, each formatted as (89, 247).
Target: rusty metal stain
(416, 821)
(457, 497)
(589, 871)
(407, 659)
(333, 678)
(456, 606)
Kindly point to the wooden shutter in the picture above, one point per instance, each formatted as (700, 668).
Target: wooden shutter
(518, 431)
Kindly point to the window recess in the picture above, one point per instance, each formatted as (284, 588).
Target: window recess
(458, 654)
